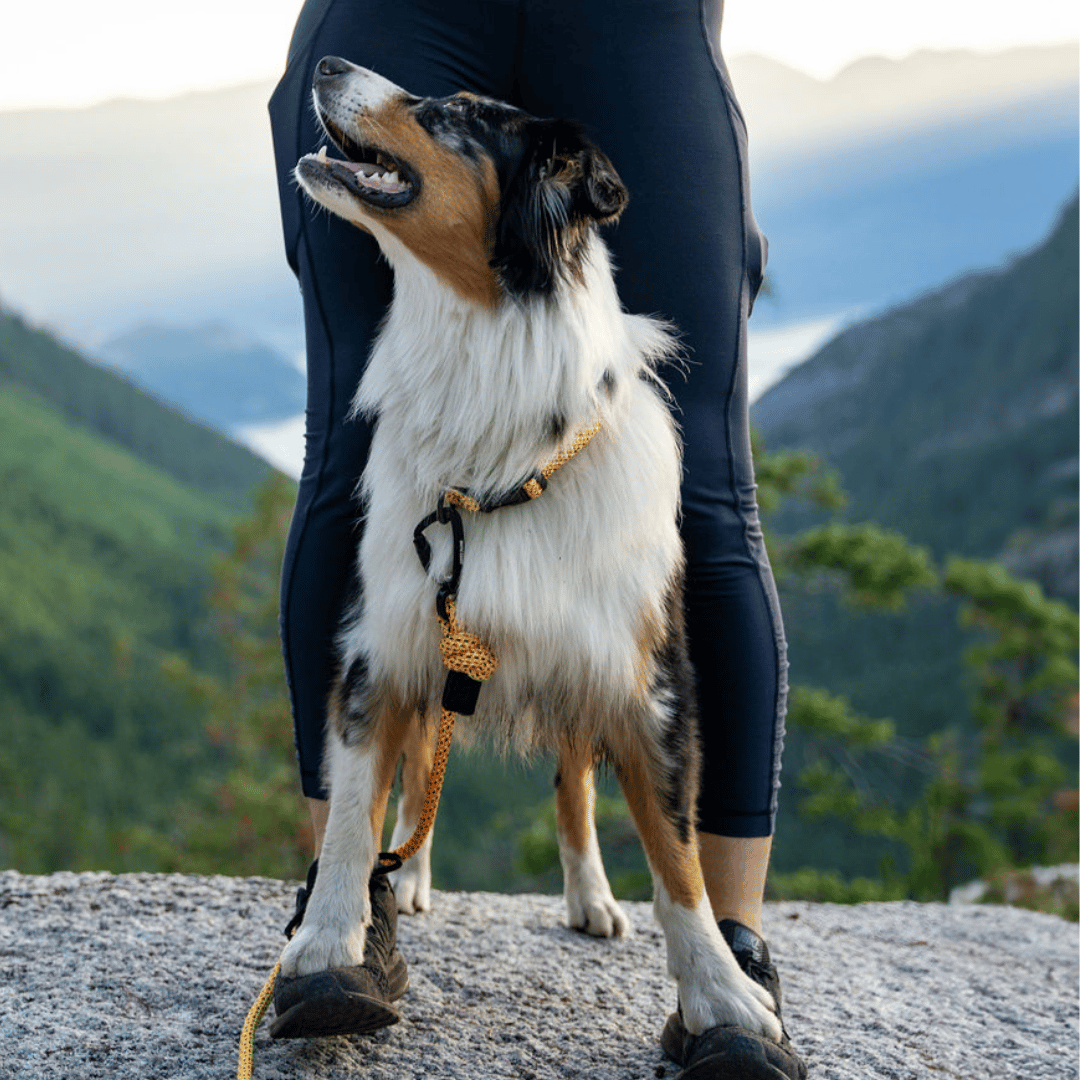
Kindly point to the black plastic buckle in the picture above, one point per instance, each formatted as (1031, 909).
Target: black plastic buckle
(461, 692)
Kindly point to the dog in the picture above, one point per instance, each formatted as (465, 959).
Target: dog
(504, 339)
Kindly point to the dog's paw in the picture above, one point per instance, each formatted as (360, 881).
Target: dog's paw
(590, 905)
(315, 949)
(713, 989)
(739, 1002)
(601, 916)
(412, 885)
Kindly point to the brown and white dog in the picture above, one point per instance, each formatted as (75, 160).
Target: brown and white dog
(504, 339)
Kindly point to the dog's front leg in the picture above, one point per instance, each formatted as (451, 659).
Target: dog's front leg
(338, 910)
(362, 755)
(713, 990)
(590, 904)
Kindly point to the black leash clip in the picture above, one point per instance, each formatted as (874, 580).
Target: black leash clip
(444, 514)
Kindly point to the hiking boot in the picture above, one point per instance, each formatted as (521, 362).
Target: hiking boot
(346, 1001)
(731, 1053)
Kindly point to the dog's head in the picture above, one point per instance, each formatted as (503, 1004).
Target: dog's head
(495, 201)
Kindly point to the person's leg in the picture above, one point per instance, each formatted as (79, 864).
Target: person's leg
(646, 78)
(734, 869)
(346, 288)
(319, 809)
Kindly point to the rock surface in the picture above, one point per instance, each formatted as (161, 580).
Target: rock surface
(147, 976)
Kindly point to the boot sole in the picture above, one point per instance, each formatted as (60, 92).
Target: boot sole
(726, 1068)
(327, 1006)
(743, 1058)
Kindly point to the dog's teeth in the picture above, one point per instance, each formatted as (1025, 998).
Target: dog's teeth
(391, 178)
(322, 153)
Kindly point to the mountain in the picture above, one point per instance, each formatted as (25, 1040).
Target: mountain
(954, 417)
(107, 405)
(883, 181)
(896, 175)
(146, 211)
(791, 115)
(114, 507)
(210, 372)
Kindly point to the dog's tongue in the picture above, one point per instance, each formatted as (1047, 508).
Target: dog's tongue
(369, 174)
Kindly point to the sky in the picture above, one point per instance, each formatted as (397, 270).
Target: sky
(69, 53)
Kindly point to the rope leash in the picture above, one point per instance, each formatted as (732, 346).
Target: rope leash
(463, 654)
(469, 662)
(254, 1019)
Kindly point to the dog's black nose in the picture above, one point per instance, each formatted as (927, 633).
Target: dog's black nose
(333, 65)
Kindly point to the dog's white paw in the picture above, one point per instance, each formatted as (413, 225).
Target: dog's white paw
(713, 989)
(601, 916)
(590, 904)
(412, 885)
(740, 1002)
(314, 948)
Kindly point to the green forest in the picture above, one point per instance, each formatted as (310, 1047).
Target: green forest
(932, 732)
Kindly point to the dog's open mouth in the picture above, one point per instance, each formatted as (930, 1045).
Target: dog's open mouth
(370, 174)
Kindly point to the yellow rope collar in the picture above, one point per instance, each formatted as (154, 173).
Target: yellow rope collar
(531, 488)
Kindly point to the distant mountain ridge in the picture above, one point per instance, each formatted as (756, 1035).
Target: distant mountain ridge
(954, 417)
(792, 115)
(192, 234)
(211, 372)
(897, 175)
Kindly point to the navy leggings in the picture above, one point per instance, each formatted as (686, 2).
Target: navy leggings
(647, 79)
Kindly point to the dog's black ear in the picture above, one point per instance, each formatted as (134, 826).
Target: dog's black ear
(581, 172)
(563, 187)
(606, 193)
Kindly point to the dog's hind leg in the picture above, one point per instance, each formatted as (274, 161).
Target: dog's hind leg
(412, 883)
(363, 744)
(658, 780)
(590, 905)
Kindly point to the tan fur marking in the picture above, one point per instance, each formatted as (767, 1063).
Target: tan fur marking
(676, 863)
(650, 638)
(419, 753)
(391, 730)
(450, 226)
(575, 798)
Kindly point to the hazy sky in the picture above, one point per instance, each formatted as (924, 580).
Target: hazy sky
(70, 52)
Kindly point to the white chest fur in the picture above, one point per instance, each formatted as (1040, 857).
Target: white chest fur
(564, 588)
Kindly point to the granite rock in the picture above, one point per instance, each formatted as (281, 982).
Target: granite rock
(150, 976)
